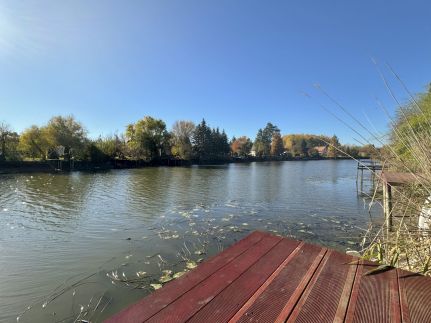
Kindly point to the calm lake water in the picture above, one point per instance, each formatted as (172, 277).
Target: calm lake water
(62, 235)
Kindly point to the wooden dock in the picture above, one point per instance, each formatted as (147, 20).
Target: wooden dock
(266, 278)
(368, 166)
(389, 180)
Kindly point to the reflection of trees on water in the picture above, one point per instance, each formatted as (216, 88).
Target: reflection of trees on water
(159, 190)
(50, 198)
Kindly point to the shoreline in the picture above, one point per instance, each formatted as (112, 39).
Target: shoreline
(62, 167)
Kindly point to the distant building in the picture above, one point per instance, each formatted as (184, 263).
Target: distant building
(322, 150)
(253, 151)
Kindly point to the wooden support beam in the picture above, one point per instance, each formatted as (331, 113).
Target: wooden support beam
(387, 205)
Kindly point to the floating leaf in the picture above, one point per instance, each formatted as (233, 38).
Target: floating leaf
(178, 274)
(141, 274)
(165, 279)
(156, 286)
(191, 264)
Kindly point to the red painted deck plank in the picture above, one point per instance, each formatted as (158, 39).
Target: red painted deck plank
(405, 314)
(271, 302)
(375, 299)
(189, 303)
(322, 301)
(417, 292)
(228, 302)
(161, 298)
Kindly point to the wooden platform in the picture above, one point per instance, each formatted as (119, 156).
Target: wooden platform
(266, 278)
(395, 179)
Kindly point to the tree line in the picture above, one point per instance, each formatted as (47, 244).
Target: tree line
(149, 139)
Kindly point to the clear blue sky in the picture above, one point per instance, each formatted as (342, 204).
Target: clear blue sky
(239, 64)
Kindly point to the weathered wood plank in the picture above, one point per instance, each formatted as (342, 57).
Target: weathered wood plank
(161, 298)
(268, 306)
(417, 292)
(192, 301)
(394, 178)
(375, 297)
(230, 300)
(325, 296)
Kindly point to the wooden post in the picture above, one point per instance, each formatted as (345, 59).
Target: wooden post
(387, 205)
(362, 181)
(357, 176)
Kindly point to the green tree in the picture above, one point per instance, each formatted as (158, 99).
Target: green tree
(182, 132)
(412, 129)
(65, 132)
(220, 147)
(8, 143)
(263, 139)
(5, 133)
(277, 147)
(259, 144)
(147, 138)
(202, 141)
(33, 143)
(111, 146)
(93, 153)
(334, 147)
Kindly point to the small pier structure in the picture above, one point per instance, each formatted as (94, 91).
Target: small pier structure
(372, 167)
(267, 278)
(389, 180)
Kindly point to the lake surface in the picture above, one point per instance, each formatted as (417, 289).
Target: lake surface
(77, 245)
